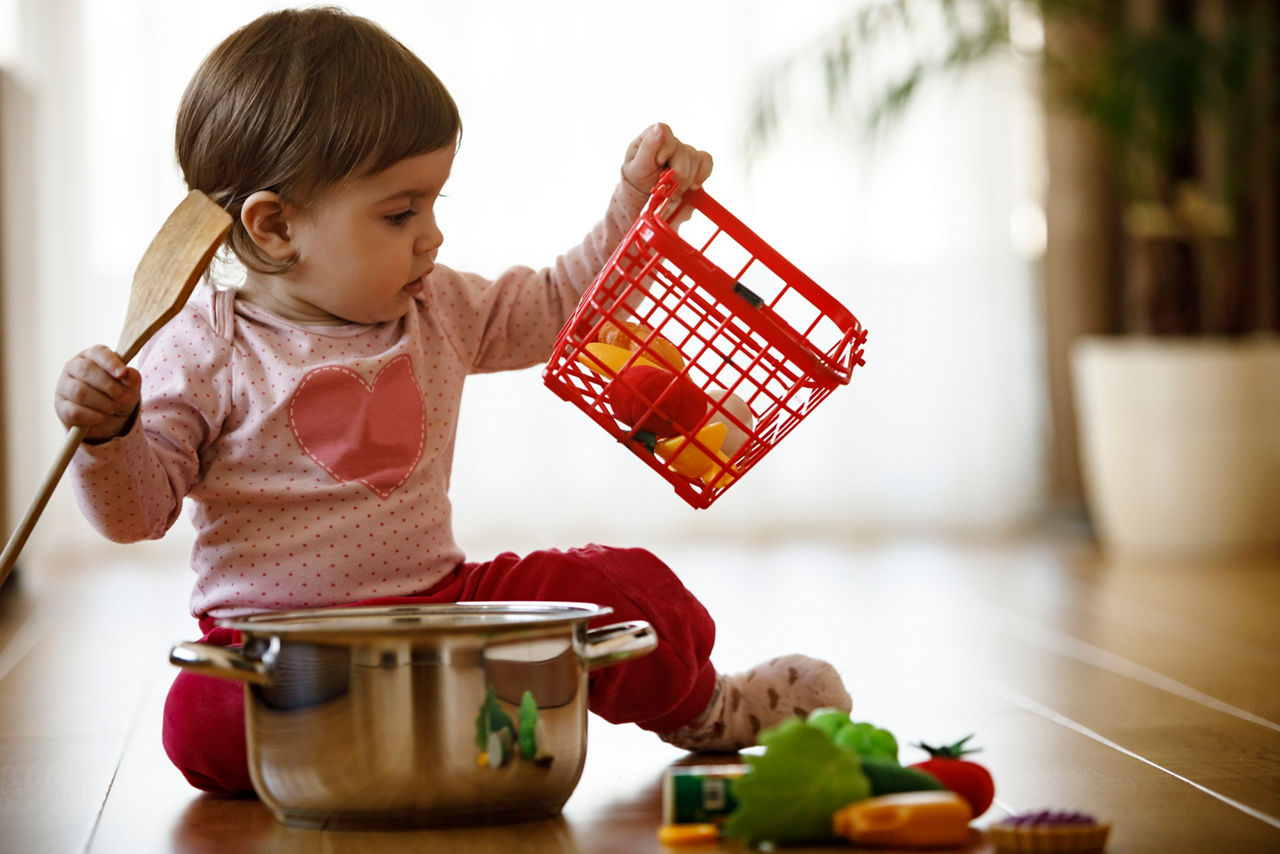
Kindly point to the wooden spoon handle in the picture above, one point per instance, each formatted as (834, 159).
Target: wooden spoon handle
(18, 538)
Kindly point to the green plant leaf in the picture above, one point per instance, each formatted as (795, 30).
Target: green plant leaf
(795, 787)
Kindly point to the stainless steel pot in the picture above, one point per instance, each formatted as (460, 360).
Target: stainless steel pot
(417, 716)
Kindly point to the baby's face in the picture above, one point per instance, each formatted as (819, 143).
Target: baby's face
(365, 245)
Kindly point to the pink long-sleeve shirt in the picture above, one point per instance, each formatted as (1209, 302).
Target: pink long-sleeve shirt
(315, 459)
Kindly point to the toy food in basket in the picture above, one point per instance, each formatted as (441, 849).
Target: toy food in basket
(700, 351)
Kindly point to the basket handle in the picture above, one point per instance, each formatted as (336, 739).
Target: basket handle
(664, 189)
(728, 291)
(662, 194)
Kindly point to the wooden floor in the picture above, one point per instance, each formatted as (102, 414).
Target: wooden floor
(1148, 694)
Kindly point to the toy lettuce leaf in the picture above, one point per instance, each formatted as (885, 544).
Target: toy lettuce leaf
(795, 787)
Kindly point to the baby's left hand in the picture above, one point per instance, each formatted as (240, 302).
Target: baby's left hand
(658, 148)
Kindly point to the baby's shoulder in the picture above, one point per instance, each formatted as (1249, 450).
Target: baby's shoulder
(196, 328)
(200, 312)
(446, 282)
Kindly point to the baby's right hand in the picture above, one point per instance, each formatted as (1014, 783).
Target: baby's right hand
(97, 390)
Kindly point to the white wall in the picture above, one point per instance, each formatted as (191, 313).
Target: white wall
(942, 428)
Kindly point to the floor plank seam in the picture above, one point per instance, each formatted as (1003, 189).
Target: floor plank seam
(1087, 653)
(1028, 704)
(97, 819)
(130, 732)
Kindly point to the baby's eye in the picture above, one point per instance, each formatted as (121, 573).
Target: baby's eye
(401, 218)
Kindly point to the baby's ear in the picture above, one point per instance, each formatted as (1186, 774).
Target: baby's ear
(266, 218)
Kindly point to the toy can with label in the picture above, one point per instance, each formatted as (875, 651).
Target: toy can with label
(700, 794)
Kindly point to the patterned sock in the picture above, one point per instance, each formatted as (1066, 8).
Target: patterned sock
(746, 703)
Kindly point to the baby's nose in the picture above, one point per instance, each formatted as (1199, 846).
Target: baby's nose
(429, 241)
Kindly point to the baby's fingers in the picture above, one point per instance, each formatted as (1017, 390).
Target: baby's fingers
(690, 165)
(96, 386)
(104, 371)
(658, 148)
(106, 359)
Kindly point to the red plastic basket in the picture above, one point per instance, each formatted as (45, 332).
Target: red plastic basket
(746, 323)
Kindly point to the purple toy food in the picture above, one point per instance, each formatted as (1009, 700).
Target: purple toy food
(1050, 831)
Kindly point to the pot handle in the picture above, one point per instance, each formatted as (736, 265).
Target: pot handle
(210, 659)
(618, 643)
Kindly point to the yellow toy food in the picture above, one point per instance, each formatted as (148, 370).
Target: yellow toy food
(720, 472)
(686, 458)
(608, 359)
(688, 835)
(655, 347)
(907, 820)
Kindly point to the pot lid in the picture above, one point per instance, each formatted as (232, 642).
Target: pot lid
(416, 619)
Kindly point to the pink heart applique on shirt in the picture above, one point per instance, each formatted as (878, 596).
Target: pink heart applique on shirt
(373, 435)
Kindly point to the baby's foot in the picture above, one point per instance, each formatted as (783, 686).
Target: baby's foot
(746, 703)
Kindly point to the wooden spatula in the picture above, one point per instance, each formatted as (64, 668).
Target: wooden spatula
(173, 263)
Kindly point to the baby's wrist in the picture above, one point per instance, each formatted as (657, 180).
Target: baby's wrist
(124, 430)
(632, 191)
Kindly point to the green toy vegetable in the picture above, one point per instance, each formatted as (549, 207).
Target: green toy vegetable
(868, 741)
(795, 786)
(864, 739)
(528, 717)
(491, 719)
(829, 721)
(887, 777)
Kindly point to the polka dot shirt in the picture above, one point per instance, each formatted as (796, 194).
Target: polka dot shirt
(314, 460)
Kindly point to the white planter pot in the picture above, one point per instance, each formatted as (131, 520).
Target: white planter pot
(1180, 443)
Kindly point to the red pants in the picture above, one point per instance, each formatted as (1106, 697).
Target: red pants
(204, 732)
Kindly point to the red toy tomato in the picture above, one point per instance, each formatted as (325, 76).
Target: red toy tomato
(967, 779)
(658, 401)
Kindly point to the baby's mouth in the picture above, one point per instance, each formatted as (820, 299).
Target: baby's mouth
(415, 287)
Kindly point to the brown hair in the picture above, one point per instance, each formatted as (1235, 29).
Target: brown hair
(300, 99)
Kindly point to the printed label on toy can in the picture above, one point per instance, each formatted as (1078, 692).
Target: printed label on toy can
(698, 794)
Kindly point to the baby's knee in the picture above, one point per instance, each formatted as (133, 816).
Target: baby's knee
(634, 570)
(203, 733)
